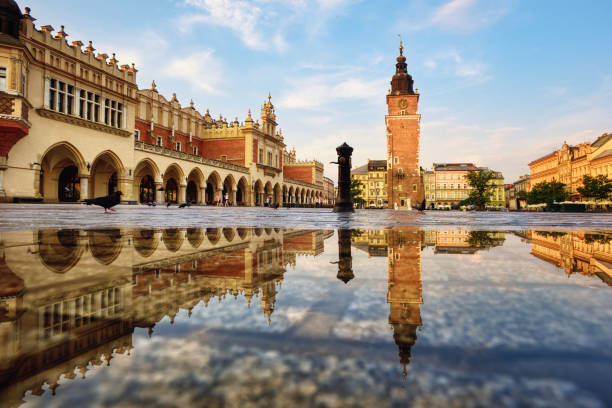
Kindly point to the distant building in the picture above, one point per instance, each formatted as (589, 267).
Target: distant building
(329, 193)
(513, 193)
(373, 178)
(448, 185)
(571, 163)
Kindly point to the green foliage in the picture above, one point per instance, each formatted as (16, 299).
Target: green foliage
(480, 182)
(598, 187)
(356, 190)
(521, 195)
(483, 239)
(547, 192)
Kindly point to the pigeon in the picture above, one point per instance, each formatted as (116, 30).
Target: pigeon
(187, 204)
(107, 202)
(169, 204)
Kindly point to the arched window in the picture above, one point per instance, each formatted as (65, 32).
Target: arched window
(171, 191)
(147, 189)
(69, 186)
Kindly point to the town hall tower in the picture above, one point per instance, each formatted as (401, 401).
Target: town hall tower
(404, 183)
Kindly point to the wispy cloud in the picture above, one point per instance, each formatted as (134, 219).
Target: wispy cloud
(203, 70)
(461, 15)
(317, 91)
(453, 63)
(257, 23)
(240, 16)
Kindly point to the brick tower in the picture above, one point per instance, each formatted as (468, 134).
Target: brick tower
(404, 293)
(404, 182)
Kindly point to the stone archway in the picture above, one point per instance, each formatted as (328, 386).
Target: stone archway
(196, 189)
(229, 190)
(242, 189)
(173, 190)
(146, 182)
(258, 190)
(104, 175)
(213, 192)
(63, 176)
(269, 193)
(277, 194)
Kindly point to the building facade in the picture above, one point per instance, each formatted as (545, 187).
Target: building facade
(570, 164)
(403, 123)
(74, 125)
(447, 185)
(516, 193)
(373, 179)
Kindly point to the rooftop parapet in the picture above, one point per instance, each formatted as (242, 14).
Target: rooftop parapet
(58, 43)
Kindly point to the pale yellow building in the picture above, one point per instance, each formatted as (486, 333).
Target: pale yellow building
(373, 178)
(449, 186)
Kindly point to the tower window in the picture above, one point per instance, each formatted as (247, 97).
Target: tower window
(159, 140)
(414, 187)
(396, 160)
(136, 135)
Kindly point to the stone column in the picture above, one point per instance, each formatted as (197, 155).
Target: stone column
(84, 186)
(202, 195)
(2, 192)
(159, 198)
(232, 196)
(126, 186)
(182, 194)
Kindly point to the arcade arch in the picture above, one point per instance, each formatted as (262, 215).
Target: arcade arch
(62, 168)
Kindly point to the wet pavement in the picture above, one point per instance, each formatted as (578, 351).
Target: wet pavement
(265, 316)
(13, 216)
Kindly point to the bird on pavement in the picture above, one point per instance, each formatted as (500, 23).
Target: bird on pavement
(187, 204)
(169, 204)
(107, 202)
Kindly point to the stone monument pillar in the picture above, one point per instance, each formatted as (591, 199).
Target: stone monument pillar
(344, 201)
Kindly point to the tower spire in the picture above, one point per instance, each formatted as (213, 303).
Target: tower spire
(401, 83)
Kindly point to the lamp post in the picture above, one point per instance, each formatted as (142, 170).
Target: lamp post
(344, 201)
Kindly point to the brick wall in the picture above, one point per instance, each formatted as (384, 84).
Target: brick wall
(301, 173)
(232, 148)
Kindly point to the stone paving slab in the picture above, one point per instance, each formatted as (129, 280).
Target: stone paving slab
(43, 216)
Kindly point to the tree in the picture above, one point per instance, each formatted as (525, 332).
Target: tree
(356, 190)
(481, 188)
(521, 195)
(598, 187)
(547, 192)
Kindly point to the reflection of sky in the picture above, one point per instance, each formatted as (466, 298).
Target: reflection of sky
(330, 344)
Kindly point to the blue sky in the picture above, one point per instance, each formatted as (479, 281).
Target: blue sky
(502, 82)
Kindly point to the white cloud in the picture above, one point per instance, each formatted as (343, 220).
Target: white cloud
(202, 70)
(455, 15)
(320, 90)
(240, 16)
(260, 24)
(453, 63)
(467, 14)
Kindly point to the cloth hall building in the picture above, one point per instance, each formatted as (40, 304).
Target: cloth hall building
(75, 125)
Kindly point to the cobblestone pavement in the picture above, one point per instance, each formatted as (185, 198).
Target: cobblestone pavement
(25, 216)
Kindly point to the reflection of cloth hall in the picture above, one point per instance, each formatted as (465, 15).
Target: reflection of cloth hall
(71, 299)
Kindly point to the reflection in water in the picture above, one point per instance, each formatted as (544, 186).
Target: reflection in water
(71, 300)
(584, 253)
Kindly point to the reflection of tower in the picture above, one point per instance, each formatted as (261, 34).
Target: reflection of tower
(405, 289)
(345, 260)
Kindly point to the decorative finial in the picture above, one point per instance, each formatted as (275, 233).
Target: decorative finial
(249, 116)
(153, 86)
(191, 103)
(27, 11)
(269, 96)
(401, 47)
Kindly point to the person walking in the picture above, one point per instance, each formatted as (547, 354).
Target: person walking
(226, 200)
(218, 199)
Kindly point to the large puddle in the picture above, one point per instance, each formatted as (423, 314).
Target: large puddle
(276, 317)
